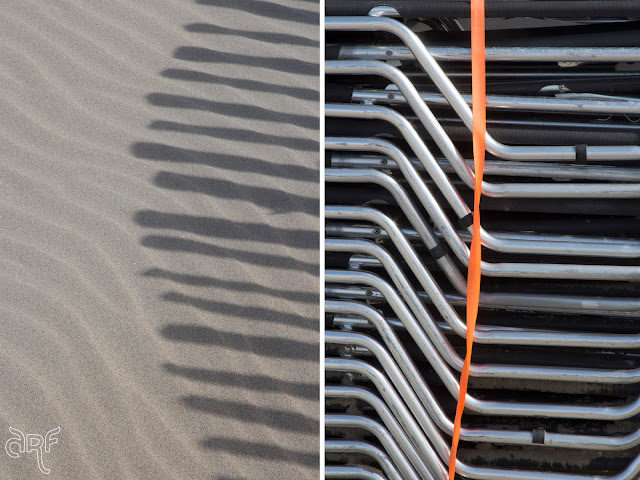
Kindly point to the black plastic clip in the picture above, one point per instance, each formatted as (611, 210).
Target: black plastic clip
(466, 221)
(581, 154)
(438, 251)
(538, 436)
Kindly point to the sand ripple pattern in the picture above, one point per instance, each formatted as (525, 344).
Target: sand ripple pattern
(159, 237)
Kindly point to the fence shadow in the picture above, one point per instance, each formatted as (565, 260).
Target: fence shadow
(259, 242)
(268, 9)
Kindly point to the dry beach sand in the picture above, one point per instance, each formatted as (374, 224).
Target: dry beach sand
(159, 237)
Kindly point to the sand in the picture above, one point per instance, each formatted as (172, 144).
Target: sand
(159, 237)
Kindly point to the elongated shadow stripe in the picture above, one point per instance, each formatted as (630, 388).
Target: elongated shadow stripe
(233, 109)
(255, 382)
(240, 135)
(176, 244)
(278, 201)
(284, 65)
(228, 229)
(268, 9)
(242, 84)
(271, 417)
(218, 283)
(274, 347)
(277, 38)
(248, 312)
(167, 153)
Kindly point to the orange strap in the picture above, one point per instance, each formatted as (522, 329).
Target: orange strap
(473, 276)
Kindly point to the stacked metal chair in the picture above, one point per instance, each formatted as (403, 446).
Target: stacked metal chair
(555, 379)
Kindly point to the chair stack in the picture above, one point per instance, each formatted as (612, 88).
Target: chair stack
(554, 390)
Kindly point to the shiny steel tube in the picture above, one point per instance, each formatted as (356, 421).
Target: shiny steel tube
(374, 112)
(437, 349)
(414, 217)
(359, 473)
(508, 168)
(441, 180)
(545, 244)
(505, 102)
(397, 418)
(508, 408)
(462, 468)
(403, 360)
(541, 244)
(432, 125)
(433, 69)
(496, 54)
(492, 335)
(426, 409)
(349, 322)
(390, 409)
(404, 286)
(460, 249)
(520, 243)
(389, 440)
(386, 327)
(564, 245)
(351, 230)
(432, 166)
(364, 448)
(380, 258)
(552, 75)
(551, 124)
(618, 307)
(428, 120)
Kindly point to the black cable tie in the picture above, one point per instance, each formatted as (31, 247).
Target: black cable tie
(332, 52)
(466, 221)
(338, 93)
(538, 436)
(327, 159)
(329, 321)
(438, 251)
(581, 154)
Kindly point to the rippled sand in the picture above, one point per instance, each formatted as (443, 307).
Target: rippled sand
(159, 237)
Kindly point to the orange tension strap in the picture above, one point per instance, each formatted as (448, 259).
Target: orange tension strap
(473, 276)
